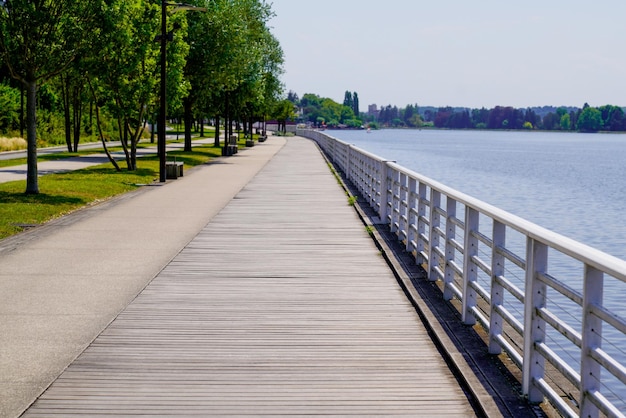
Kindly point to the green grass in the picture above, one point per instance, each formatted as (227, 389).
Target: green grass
(63, 193)
(62, 155)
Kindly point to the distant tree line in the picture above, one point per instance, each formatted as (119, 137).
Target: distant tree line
(585, 119)
(325, 112)
(320, 111)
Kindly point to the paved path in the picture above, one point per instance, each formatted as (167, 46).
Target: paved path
(281, 305)
(63, 283)
(18, 172)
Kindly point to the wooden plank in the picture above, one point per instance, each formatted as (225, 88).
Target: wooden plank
(280, 306)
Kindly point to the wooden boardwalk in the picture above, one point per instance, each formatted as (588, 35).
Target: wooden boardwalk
(281, 305)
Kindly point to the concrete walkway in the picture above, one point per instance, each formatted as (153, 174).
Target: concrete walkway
(64, 282)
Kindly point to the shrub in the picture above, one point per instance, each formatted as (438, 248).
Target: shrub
(9, 108)
(12, 144)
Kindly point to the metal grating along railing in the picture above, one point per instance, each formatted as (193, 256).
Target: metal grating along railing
(539, 295)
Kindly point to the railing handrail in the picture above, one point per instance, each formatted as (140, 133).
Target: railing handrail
(610, 264)
(412, 206)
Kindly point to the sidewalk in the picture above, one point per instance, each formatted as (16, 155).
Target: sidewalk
(18, 172)
(64, 282)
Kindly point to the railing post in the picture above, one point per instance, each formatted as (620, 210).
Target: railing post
(470, 273)
(403, 209)
(534, 326)
(497, 291)
(450, 250)
(383, 211)
(371, 178)
(591, 339)
(374, 181)
(395, 198)
(421, 226)
(359, 177)
(433, 237)
(349, 169)
(411, 216)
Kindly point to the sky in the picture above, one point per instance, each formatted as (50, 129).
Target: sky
(481, 53)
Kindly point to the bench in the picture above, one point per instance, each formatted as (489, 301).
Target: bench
(173, 169)
(229, 150)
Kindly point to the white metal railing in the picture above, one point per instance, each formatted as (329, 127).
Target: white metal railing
(540, 296)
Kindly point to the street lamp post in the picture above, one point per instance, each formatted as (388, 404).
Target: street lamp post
(164, 37)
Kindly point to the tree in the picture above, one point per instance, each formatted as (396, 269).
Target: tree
(408, 113)
(480, 118)
(388, 114)
(123, 71)
(551, 121)
(531, 117)
(10, 106)
(355, 104)
(347, 100)
(415, 121)
(442, 117)
(331, 111)
(590, 120)
(320, 110)
(75, 95)
(460, 120)
(505, 118)
(566, 122)
(234, 62)
(272, 68)
(612, 117)
(38, 40)
(310, 99)
(283, 112)
(293, 97)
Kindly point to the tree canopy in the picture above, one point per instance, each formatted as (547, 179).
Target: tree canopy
(323, 111)
(38, 40)
(223, 62)
(587, 119)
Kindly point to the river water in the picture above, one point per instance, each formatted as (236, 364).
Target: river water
(573, 184)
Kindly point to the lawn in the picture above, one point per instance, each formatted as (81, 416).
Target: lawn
(63, 193)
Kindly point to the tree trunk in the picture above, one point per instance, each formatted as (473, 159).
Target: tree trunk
(216, 143)
(104, 144)
(90, 126)
(32, 181)
(128, 137)
(65, 93)
(187, 104)
(78, 115)
(123, 133)
(99, 126)
(21, 110)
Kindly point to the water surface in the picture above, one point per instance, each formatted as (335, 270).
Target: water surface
(574, 184)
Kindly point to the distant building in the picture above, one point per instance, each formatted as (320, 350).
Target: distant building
(372, 110)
